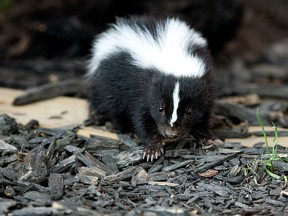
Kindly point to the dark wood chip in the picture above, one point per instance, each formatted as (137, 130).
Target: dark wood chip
(56, 185)
(50, 90)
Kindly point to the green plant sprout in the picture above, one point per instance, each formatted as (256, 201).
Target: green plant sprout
(272, 156)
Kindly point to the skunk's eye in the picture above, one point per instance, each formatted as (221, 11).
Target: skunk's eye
(161, 109)
(189, 111)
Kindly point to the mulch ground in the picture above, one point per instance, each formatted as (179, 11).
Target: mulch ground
(57, 172)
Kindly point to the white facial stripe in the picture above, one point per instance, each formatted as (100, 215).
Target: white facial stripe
(176, 100)
(167, 53)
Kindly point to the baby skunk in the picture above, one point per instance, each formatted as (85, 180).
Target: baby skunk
(154, 78)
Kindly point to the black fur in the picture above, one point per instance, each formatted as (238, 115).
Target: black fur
(130, 97)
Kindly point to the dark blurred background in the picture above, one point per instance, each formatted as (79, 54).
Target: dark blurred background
(49, 40)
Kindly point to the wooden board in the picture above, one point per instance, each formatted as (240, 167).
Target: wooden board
(66, 111)
(56, 112)
(52, 113)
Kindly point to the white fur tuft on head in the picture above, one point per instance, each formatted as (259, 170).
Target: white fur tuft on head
(167, 51)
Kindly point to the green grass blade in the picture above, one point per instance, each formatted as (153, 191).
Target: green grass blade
(263, 131)
(275, 140)
(273, 175)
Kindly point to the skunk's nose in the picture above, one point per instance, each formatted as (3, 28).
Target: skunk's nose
(170, 132)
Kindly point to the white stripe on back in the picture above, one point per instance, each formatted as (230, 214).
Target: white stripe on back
(176, 100)
(168, 52)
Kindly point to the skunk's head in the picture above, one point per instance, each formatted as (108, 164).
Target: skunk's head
(179, 106)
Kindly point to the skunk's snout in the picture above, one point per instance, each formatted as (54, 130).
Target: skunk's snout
(169, 132)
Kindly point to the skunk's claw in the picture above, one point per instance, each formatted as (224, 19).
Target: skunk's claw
(152, 154)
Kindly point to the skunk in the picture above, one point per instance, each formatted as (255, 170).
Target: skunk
(154, 78)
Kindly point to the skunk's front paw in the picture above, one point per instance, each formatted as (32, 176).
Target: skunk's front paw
(152, 153)
(211, 141)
